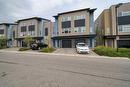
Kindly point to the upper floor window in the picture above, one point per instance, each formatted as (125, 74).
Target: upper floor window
(46, 31)
(23, 28)
(66, 18)
(1, 31)
(79, 23)
(126, 13)
(79, 17)
(66, 24)
(124, 28)
(80, 29)
(31, 28)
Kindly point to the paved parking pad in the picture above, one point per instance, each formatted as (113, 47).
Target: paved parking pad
(72, 51)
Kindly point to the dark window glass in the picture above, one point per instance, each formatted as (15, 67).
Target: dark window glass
(66, 24)
(23, 29)
(13, 34)
(124, 20)
(46, 31)
(79, 23)
(31, 28)
(1, 31)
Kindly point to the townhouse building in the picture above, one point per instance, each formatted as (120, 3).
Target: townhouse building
(7, 30)
(37, 28)
(73, 27)
(113, 26)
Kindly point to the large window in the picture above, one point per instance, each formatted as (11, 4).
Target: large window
(31, 30)
(23, 30)
(1, 31)
(46, 31)
(66, 24)
(79, 23)
(124, 28)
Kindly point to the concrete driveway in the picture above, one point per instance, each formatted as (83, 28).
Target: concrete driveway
(72, 51)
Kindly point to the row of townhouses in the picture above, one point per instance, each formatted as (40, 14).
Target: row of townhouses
(68, 29)
(111, 28)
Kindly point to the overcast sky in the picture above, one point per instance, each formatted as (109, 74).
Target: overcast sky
(13, 10)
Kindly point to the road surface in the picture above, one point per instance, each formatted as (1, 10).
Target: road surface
(38, 70)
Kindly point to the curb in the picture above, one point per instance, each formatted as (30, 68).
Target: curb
(77, 55)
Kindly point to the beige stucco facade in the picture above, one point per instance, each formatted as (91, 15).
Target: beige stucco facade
(107, 22)
(72, 15)
(73, 27)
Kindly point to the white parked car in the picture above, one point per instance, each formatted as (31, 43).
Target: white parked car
(82, 48)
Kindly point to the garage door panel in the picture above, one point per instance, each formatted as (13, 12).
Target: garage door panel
(66, 44)
(124, 43)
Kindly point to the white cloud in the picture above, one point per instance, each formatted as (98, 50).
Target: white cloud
(12, 10)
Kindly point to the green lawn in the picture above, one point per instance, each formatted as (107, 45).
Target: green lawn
(47, 50)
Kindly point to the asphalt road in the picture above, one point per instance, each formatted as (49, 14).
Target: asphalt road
(33, 70)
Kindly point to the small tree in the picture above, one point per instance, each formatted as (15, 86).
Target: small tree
(99, 37)
(28, 40)
(3, 42)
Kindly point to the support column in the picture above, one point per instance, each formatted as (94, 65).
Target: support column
(115, 43)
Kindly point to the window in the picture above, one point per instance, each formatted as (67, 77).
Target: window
(66, 30)
(31, 30)
(126, 13)
(79, 23)
(79, 17)
(23, 29)
(119, 14)
(66, 18)
(1, 31)
(124, 28)
(66, 24)
(46, 31)
(120, 28)
(80, 29)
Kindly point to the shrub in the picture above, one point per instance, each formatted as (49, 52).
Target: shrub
(107, 51)
(23, 49)
(47, 50)
(3, 42)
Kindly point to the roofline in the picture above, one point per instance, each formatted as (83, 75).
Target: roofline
(119, 3)
(8, 23)
(38, 18)
(101, 14)
(88, 9)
